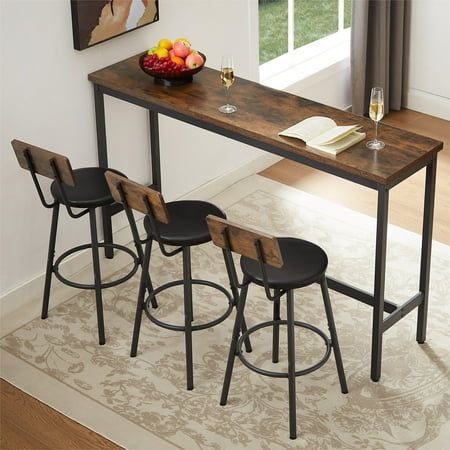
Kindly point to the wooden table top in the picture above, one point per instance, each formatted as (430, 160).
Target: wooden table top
(264, 112)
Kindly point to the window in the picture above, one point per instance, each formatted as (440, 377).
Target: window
(291, 31)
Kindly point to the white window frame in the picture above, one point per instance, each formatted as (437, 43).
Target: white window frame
(334, 45)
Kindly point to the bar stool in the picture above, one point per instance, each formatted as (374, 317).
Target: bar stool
(282, 264)
(84, 188)
(181, 224)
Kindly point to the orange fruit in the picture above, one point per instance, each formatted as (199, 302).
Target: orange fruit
(177, 60)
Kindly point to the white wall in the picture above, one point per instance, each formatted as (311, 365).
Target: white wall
(331, 86)
(429, 70)
(47, 100)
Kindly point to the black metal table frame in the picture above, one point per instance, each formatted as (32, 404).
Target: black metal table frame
(377, 300)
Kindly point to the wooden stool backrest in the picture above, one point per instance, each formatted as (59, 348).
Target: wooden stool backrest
(242, 240)
(42, 160)
(135, 195)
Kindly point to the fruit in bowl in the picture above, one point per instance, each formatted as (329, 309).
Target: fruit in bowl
(172, 63)
(193, 60)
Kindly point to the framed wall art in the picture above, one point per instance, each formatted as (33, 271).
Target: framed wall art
(95, 21)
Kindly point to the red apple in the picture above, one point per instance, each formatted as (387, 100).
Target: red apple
(193, 60)
(171, 53)
(181, 49)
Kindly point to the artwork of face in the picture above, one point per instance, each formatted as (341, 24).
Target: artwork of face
(95, 21)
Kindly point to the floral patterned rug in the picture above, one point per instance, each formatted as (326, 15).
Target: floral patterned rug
(408, 408)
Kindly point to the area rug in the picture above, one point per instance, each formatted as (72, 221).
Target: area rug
(142, 402)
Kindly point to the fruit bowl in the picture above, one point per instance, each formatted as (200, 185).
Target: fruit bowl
(171, 78)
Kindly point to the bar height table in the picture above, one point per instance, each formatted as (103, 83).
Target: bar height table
(262, 113)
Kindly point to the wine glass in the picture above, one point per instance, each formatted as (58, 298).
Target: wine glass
(376, 113)
(227, 79)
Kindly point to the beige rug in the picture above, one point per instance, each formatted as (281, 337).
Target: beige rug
(142, 403)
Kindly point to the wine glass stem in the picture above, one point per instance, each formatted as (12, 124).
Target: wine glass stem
(228, 95)
(376, 130)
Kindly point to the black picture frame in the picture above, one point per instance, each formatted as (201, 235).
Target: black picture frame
(94, 21)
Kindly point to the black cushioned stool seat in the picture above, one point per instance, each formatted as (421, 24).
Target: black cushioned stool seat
(304, 264)
(90, 191)
(187, 226)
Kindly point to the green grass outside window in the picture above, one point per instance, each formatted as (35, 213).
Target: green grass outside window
(313, 19)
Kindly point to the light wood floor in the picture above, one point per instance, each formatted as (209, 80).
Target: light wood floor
(406, 199)
(26, 423)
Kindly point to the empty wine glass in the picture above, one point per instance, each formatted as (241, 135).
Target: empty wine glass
(227, 79)
(376, 113)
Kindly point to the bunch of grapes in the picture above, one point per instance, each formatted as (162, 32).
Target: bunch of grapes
(162, 65)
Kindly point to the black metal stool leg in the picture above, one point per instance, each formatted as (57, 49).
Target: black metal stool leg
(247, 343)
(276, 328)
(334, 338)
(291, 365)
(50, 257)
(97, 277)
(187, 284)
(144, 283)
(150, 290)
(149, 284)
(233, 346)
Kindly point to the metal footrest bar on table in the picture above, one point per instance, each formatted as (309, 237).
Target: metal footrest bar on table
(402, 311)
(396, 312)
(358, 294)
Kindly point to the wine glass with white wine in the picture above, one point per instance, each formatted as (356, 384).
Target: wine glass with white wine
(227, 79)
(376, 113)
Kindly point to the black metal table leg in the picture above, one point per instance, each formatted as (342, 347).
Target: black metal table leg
(379, 282)
(154, 149)
(425, 259)
(103, 162)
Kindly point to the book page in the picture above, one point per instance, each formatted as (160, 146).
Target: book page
(309, 128)
(340, 145)
(333, 135)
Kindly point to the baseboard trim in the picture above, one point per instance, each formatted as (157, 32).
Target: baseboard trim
(23, 304)
(427, 103)
(219, 184)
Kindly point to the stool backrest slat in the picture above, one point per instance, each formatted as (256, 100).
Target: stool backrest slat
(43, 162)
(243, 240)
(137, 196)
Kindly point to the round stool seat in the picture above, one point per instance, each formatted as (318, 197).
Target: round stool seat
(90, 191)
(187, 225)
(304, 264)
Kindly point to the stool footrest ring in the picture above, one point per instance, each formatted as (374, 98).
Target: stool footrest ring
(273, 374)
(203, 326)
(102, 285)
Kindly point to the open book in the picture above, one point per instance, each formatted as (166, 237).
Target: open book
(323, 134)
